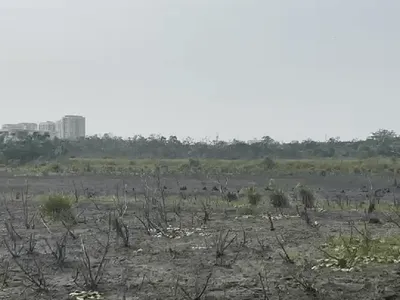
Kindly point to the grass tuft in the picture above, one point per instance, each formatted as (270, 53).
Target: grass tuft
(57, 206)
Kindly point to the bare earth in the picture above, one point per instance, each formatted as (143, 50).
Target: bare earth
(179, 266)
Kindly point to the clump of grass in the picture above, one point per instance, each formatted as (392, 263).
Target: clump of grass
(57, 206)
(279, 199)
(346, 252)
(306, 195)
(253, 196)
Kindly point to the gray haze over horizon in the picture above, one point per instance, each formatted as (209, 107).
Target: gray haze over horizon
(240, 68)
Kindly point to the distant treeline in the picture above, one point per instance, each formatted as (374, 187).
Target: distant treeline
(384, 143)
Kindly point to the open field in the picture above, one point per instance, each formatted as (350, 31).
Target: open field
(189, 167)
(172, 239)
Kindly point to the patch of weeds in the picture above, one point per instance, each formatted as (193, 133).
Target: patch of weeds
(57, 207)
(346, 252)
(253, 196)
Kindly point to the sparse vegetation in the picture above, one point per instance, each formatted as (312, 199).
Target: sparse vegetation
(162, 228)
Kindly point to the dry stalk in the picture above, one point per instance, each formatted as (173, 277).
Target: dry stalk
(206, 207)
(29, 222)
(264, 247)
(13, 248)
(31, 244)
(59, 251)
(199, 292)
(272, 228)
(5, 275)
(35, 277)
(93, 275)
(285, 256)
(76, 193)
(306, 285)
(154, 208)
(121, 206)
(222, 243)
(122, 230)
(264, 288)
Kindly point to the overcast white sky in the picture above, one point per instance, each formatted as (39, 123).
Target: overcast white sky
(240, 68)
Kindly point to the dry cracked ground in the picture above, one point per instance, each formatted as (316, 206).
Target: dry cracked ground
(209, 249)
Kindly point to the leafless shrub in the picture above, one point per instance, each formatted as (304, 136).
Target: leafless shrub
(68, 227)
(223, 240)
(199, 291)
(154, 207)
(306, 285)
(92, 275)
(59, 250)
(127, 287)
(12, 243)
(305, 216)
(34, 274)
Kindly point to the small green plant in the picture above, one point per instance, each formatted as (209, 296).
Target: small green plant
(253, 196)
(346, 252)
(57, 206)
(279, 199)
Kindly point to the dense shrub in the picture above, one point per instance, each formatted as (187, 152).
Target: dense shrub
(279, 199)
(307, 197)
(57, 206)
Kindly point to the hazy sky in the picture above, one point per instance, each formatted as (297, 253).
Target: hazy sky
(239, 68)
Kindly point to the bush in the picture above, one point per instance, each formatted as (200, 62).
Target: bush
(268, 163)
(306, 195)
(279, 199)
(57, 207)
(253, 196)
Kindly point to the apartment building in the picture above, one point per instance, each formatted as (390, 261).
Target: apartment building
(47, 126)
(72, 127)
(19, 126)
(69, 127)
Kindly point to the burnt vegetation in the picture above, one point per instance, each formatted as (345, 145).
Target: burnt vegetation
(156, 234)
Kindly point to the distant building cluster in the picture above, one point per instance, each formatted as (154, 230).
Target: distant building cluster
(70, 127)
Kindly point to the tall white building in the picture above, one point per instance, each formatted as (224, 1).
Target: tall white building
(72, 127)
